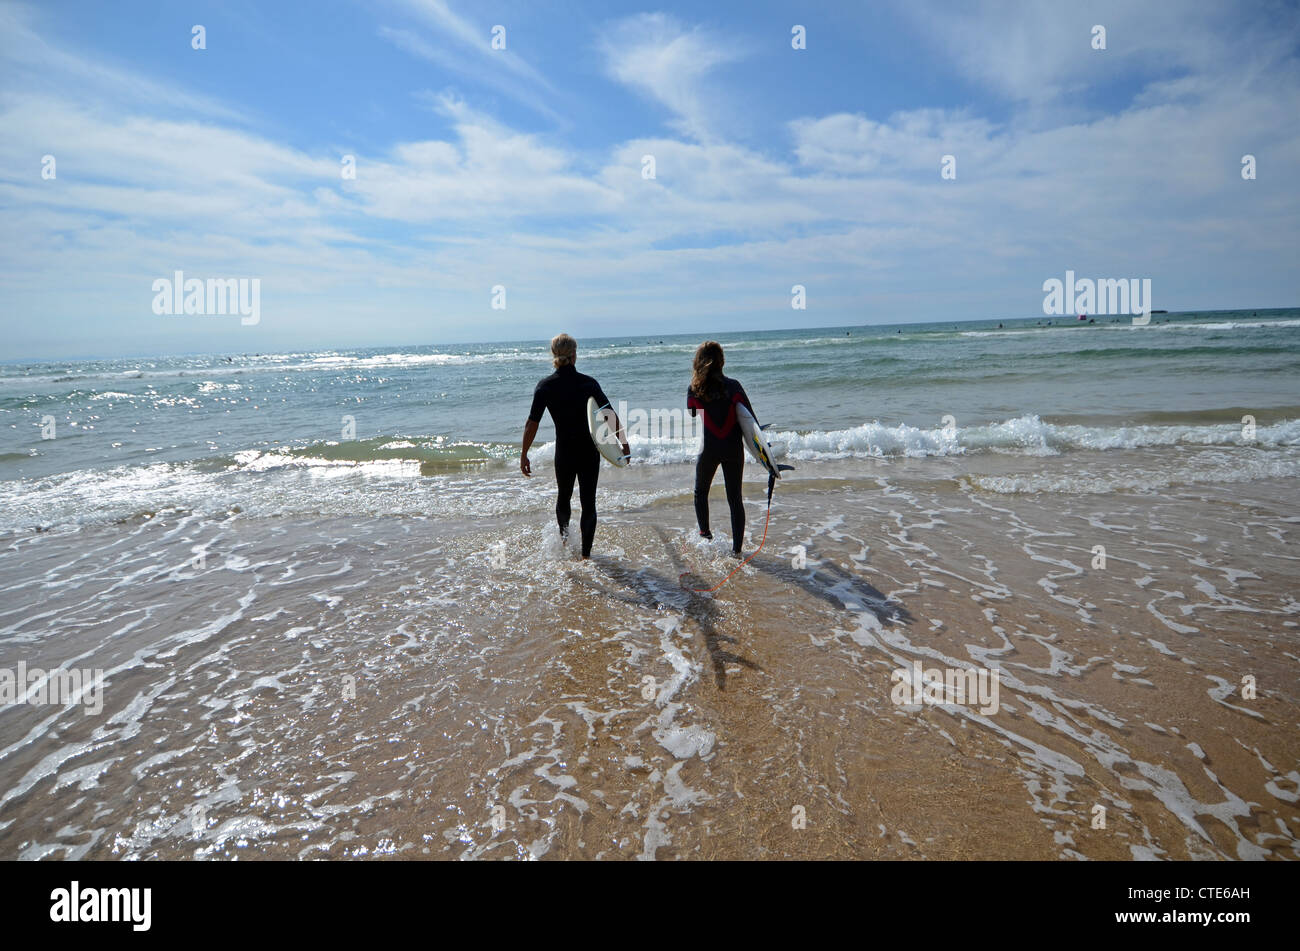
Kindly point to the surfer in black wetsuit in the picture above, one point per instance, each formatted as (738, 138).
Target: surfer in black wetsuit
(716, 396)
(564, 394)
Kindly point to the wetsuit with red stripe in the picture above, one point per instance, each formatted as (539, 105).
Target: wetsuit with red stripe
(723, 446)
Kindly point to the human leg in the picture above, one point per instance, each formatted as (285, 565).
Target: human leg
(588, 476)
(705, 469)
(564, 476)
(733, 475)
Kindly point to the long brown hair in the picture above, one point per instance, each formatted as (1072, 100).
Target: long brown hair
(706, 380)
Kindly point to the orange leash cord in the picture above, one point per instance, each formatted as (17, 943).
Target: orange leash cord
(766, 522)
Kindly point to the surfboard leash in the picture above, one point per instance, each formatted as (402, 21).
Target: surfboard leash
(771, 485)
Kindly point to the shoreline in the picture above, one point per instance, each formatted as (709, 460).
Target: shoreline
(228, 690)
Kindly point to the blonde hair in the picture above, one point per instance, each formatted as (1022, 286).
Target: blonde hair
(564, 350)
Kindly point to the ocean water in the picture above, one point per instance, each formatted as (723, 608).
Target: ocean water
(434, 430)
(309, 645)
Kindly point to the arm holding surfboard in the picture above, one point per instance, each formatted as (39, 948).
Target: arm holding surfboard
(569, 397)
(754, 437)
(603, 424)
(607, 432)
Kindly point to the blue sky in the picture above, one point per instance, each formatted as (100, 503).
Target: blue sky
(522, 167)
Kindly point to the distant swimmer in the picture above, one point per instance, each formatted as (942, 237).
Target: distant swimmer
(564, 394)
(716, 397)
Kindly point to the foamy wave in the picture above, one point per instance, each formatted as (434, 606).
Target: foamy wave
(1227, 325)
(412, 360)
(869, 439)
(1219, 470)
(255, 461)
(1127, 324)
(267, 487)
(411, 477)
(1025, 435)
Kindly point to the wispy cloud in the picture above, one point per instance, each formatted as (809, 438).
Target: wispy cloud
(31, 63)
(847, 203)
(909, 143)
(465, 51)
(664, 60)
(489, 175)
(1038, 52)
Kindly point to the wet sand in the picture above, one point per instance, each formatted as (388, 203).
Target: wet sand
(417, 688)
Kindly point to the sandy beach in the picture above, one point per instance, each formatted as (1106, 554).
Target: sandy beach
(420, 689)
(439, 432)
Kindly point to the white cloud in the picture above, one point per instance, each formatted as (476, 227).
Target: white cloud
(855, 209)
(33, 64)
(911, 142)
(663, 60)
(490, 173)
(469, 54)
(1038, 53)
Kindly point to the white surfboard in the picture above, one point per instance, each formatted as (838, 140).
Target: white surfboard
(604, 433)
(755, 441)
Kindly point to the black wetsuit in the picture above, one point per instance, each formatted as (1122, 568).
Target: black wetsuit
(565, 393)
(723, 446)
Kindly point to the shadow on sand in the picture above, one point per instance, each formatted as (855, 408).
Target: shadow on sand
(654, 589)
(838, 587)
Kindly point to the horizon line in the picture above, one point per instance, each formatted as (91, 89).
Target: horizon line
(545, 340)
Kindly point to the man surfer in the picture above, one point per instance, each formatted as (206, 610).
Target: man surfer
(564, 394)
